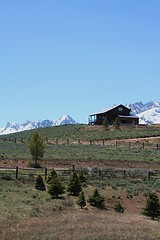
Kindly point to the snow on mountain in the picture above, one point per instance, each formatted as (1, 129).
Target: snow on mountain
(28, 125)
(148, 113)
(139, 107)
(64, 120)
(150, 116)
(10, 128)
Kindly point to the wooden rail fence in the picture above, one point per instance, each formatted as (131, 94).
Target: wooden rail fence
(129, 143)
(91, 174)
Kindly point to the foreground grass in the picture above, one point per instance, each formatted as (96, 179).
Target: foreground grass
(82, 226)
(30, 214)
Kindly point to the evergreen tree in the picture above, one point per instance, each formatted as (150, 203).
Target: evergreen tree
(52, 175)
(74, 186)
(40, 183)
(119, 208)
(152, 208)
(81, 176)
(105, 123)
(81, 200)
(96, 199)
(55, 188)
(117, 123)
(36, 147)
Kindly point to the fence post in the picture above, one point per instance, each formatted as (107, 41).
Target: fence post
(79, 141)
(56, 141)
(45, 173)
(103, 142)
(124, 174)
(16, 172)
(73, 168)
(116, 143)
(90, 142)
(149, 175)
(143, 145)
(67, 141)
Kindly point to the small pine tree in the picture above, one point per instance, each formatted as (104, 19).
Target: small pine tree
(105, 123)
(81, 200)
(52, 175)
(96, 199)
(39, 183)
(36, 147)
(119, 208)
(152, 208)
(55, 188)
(117, 123)
(81, 177)
(74, 186)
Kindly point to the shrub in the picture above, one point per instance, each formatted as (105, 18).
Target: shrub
(55, 188)
(52, 175)
(152, 208)
(74, 186)
(96, 199)
(34, 165)
(40, 184)
(6, 176)
(81, 176)
(119, 208)
(81, 200)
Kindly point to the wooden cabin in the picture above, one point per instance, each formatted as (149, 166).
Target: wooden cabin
(120, 111)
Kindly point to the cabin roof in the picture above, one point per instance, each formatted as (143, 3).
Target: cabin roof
(108, 109)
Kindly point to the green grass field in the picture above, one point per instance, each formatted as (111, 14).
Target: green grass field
(15, 146)
(86, 133)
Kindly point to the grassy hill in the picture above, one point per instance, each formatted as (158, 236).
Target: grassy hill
(85, 132)
(26, 210)
(83, 142)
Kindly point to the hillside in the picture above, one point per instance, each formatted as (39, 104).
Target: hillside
(87, 145)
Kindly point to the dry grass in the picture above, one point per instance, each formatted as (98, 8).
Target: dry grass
(82, 224)
(29, 214)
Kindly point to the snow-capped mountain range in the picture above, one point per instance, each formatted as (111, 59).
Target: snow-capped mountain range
(148, 113)
(28, 125)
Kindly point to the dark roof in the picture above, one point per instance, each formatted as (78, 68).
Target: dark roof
(108, 109)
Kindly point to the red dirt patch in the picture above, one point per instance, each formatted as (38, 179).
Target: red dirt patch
(81, 164)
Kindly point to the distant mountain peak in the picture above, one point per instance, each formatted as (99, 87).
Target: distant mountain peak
(64, 120)
(148, 113)
(28, 125)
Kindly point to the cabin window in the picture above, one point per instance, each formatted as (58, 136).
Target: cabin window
(120, 109)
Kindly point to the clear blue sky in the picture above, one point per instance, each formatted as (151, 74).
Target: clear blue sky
(76, 57)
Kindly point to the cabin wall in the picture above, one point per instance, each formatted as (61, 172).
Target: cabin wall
(112, 114)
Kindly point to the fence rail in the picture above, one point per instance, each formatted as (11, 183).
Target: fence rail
(129, 143)
(91, 174)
